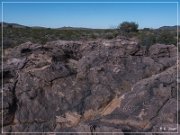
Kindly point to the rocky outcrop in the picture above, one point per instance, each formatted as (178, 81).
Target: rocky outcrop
(90, 86)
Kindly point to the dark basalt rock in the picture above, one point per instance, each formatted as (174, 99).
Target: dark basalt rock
(98, 86)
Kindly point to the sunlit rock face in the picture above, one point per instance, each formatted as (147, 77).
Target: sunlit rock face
(90, 86)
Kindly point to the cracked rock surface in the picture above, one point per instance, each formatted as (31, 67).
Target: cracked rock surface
(90, 86)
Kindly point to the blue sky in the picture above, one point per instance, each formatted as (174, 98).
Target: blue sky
(92, 15)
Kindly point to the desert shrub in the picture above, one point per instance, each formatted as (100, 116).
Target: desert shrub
(166, 37)
(43, 40)
(147, 39)
(109, 35)
(150, 37)
(127, 27)
(94, 36)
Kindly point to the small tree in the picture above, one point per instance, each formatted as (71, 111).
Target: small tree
(128, 27)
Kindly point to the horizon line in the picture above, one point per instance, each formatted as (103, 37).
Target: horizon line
(115, 27)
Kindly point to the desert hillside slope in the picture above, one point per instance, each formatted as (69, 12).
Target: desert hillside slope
(90, 86)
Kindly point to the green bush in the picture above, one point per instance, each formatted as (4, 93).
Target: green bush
(109, 35)
(150, 37)
(128, 27)
(147, 39)
(166, 37)
(94, 35)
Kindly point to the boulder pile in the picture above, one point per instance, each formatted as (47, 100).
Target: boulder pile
(90, 86)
